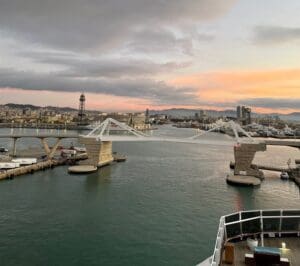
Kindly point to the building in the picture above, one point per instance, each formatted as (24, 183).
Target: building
(147, 121)
(243, 115)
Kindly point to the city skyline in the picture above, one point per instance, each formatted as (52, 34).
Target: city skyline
(131, 55)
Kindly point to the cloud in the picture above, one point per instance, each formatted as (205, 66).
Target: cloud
(276, 34)
(76, 66)
(272, 103)
(98, 24)
(159, 40)
(234, 85)
(157, 92)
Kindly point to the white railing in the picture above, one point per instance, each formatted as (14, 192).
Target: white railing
(261, 219)
(219, 243)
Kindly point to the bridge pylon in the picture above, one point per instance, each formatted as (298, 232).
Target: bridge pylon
(99, 145)
(50, 152)
(99, 152)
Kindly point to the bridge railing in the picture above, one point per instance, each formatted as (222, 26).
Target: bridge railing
(247, 223)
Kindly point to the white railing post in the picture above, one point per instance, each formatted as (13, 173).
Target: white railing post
(262, 229)
(280, 223)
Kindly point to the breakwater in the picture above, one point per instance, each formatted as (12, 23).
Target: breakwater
(11, 173)
(43, 165)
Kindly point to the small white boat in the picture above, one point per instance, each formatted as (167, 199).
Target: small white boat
(24, 161)
(284, 176)
(66, 151)
(2, 149)
(80, 149)
(9, 165)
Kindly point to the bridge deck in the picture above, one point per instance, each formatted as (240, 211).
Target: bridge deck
(291, 143)
(40, 135)
(165, 139)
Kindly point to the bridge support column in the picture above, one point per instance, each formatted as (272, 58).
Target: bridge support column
(244, 154)
(54, 148)
(50, 152)
(99, 152)
(14, 151)
(45, 145)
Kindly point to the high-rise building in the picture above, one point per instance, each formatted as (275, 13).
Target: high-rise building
(147, 120)
(243, 115)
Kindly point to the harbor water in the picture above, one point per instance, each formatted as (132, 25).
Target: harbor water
(160, 207)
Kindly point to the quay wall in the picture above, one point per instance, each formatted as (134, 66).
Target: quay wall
(11, 173)
(99, 152)
(244, 155)
(30, 169)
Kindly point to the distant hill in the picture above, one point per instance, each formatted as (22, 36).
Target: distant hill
(35, 107)
(22, 106)
(292, 116)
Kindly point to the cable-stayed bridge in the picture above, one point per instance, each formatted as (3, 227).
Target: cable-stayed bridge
(113, 130)
(98, 141)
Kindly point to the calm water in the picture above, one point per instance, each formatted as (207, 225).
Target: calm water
(161, 207)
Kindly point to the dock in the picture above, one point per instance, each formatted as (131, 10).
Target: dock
(28, 169)
(274, 168)
(39, 166)
(243, 180)
(51, 163)
(294, 173)
(82, 169)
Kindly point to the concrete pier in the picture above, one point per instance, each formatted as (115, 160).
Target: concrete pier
(243, 180)
(9, 174)
(82, 169)
(244, 154)
(14, 153)
(99, 152)
(29, 169)
(50, 152)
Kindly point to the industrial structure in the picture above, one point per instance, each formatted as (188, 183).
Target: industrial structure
(81, 111)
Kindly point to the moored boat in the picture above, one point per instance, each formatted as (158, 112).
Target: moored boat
(2, 149)
(24, 161)
(8, 165)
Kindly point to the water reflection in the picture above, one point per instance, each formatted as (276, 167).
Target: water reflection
(244, 198)
(101, 177)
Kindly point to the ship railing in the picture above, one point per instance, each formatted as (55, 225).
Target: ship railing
(254, 223)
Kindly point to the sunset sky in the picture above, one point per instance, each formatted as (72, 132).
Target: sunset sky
(129, 55)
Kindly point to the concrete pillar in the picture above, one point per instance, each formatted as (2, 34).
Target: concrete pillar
(14, 147)
(54, 148)
(244, 154)
(99, 152)
(46, 146)
(50, 152)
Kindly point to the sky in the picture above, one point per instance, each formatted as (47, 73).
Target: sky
(129, 55)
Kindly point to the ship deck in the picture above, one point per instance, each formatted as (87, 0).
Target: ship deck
(292, 251)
